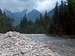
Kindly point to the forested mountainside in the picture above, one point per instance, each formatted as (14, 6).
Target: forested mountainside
(61, 22)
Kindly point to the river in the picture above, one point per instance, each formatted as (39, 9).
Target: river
(63, 46)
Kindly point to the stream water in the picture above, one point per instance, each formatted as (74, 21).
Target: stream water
(63, 46)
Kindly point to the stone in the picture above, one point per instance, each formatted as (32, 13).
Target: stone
(17, 44)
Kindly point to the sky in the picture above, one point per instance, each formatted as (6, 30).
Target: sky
(20, 5)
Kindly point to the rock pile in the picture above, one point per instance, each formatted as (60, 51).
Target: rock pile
(17, 44)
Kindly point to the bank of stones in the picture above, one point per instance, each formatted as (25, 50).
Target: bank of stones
(17, 44)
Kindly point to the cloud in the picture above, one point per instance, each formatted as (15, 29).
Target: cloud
(19, 5)
(16, 5)
(45, 5)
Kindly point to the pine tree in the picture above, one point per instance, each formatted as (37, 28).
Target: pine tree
(23, 24)
(0, 12)
(70, 19)
(5, 23)
(54, 27)
(46, 22)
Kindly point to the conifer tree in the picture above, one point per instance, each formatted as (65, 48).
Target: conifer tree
(53, 29)
(5, 23)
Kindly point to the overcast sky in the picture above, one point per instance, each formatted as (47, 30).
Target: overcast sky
(19, 5)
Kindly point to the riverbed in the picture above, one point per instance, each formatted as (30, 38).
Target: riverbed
(61, 45)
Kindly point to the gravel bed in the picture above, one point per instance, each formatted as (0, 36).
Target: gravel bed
(17, 44)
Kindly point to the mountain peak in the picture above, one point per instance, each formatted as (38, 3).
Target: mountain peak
(33, 15)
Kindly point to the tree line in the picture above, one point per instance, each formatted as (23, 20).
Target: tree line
(39, 26)
(61, 23)
(5, 23)
(64, 18)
